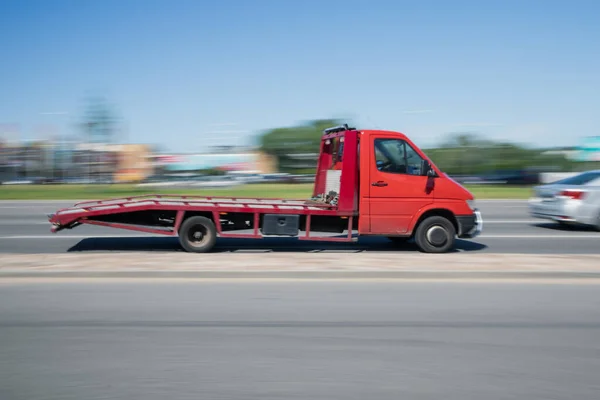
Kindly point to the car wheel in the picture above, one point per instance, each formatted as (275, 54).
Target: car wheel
(435, 235)
(197, 235)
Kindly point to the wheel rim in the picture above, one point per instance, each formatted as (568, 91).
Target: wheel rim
(197, 235)
(437, 236)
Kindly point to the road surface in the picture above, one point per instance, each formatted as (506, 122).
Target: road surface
(298, 340)
(507, 229)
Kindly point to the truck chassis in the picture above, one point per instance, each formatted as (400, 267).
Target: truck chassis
(199, 220)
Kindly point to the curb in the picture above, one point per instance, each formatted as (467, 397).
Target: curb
(306, 275)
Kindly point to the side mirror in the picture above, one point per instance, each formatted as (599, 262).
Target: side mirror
(379, 164)
(426, 169)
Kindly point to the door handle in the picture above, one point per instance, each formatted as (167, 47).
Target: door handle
(379, 183)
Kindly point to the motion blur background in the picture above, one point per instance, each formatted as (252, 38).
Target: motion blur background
(235, 92)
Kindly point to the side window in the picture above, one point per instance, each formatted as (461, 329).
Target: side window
(396, 156)
(337, 153)
(413, 161)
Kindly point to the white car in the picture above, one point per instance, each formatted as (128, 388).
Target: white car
(574, 200)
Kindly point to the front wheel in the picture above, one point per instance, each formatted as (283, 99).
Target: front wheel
(197, 235)
(435, 235)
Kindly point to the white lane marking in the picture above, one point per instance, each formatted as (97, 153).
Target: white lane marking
(574, 236)
(507, 206)
(24, 223)
(489, 221)
(58, 236)
(143, 234)
(511, 221)
(37, 206)
(37, 209)
(500, 200)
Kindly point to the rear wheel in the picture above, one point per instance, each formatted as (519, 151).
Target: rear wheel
(197, 235)
(435, 235)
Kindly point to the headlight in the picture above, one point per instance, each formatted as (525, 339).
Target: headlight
(471, 204)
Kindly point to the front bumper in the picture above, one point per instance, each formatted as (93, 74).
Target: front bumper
(470, 226)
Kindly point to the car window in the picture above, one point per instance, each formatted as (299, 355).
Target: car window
(337, 152)
(594, 182)
(396, 156)
(581, 179)
(413, 160)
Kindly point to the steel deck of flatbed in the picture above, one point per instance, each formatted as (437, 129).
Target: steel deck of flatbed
(165, 214)
(81, 212)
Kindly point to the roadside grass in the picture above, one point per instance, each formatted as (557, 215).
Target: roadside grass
(500, 192)
(288, 191)
(76, 192)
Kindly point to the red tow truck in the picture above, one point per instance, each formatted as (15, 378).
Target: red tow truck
(368, 182)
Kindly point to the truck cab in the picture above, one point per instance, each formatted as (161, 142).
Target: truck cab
(394, 189)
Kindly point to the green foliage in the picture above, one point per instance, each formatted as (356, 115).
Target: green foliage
(284, 143)
(289, 191)
(463, 153)
(211, 172)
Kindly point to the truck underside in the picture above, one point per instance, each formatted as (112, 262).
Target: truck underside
(240, 218)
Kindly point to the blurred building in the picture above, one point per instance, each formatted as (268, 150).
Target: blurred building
(77, 162)
(94, 162)
(134, 163)
(25, 161)
(239, 160)
(588, 150)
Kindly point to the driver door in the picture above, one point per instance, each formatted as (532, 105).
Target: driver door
(398, 190)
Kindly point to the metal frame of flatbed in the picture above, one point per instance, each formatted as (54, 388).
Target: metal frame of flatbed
(347, 205)
(67, 218)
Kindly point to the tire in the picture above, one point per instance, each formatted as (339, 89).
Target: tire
(435, 235)
(198, 235)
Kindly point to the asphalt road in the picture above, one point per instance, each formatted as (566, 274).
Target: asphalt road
(507, 229)
(298, 340)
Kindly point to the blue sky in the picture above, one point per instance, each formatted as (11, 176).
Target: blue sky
(188, 74)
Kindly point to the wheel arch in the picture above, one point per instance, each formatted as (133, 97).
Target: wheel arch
(439, 212)
(206, 214)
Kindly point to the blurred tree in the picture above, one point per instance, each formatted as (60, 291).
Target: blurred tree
(212, 172)
(462, 153)
(469, 154)
(286, 143)
(99, 121)
(99, 125)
